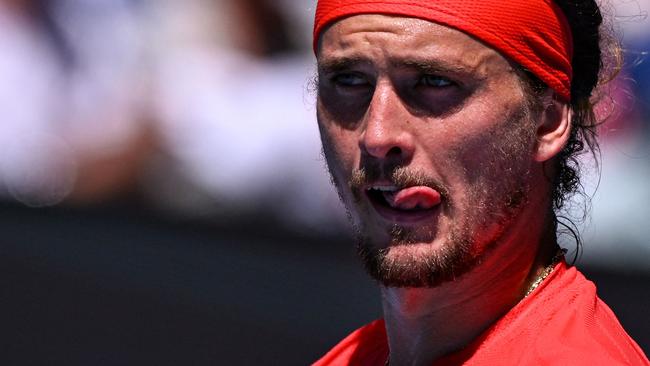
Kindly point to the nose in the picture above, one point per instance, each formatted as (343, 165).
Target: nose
(386, 134)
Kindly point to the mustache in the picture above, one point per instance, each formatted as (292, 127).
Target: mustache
(399, 176)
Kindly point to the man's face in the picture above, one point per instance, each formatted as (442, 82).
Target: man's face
(429, 140)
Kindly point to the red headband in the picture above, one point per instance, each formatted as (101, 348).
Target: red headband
(533, 33)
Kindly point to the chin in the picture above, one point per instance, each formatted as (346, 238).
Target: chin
(407, 262)
(422, 258)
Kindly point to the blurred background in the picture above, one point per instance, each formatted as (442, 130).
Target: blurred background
(163, 199)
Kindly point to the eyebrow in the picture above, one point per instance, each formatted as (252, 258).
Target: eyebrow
(430, 66)
(340, 64)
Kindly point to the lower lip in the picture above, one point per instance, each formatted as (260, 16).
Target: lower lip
(405, 217)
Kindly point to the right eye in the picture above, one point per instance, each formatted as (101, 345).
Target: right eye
(349, 80)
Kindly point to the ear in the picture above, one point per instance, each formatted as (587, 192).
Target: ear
(553, 130)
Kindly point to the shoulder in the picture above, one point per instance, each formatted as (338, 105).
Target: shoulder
(563, 322)
(367, 345)
(576, 327)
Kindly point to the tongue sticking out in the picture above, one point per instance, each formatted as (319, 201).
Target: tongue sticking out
(421, 198)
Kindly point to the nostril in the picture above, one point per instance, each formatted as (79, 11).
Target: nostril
(394, 151)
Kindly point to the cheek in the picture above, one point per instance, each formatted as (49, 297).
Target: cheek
(340, 158)
(458, 150)
(485, 159)
(340, 145)
(468, 151)
(489, 137)
(342, 155)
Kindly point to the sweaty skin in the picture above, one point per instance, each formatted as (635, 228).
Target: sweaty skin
(427, 133)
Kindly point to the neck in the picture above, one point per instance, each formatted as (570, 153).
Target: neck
(424, 324)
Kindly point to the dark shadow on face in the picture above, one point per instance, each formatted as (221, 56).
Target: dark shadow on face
(349, 109)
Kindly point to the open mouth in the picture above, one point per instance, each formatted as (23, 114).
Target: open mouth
(404, 204)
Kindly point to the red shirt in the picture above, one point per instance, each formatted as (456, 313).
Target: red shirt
(562, 322)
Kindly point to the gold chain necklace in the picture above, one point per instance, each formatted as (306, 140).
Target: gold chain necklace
(547, 271)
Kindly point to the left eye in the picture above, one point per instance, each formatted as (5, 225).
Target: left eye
(434, 81)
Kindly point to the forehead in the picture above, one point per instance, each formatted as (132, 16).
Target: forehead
(391, 39)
